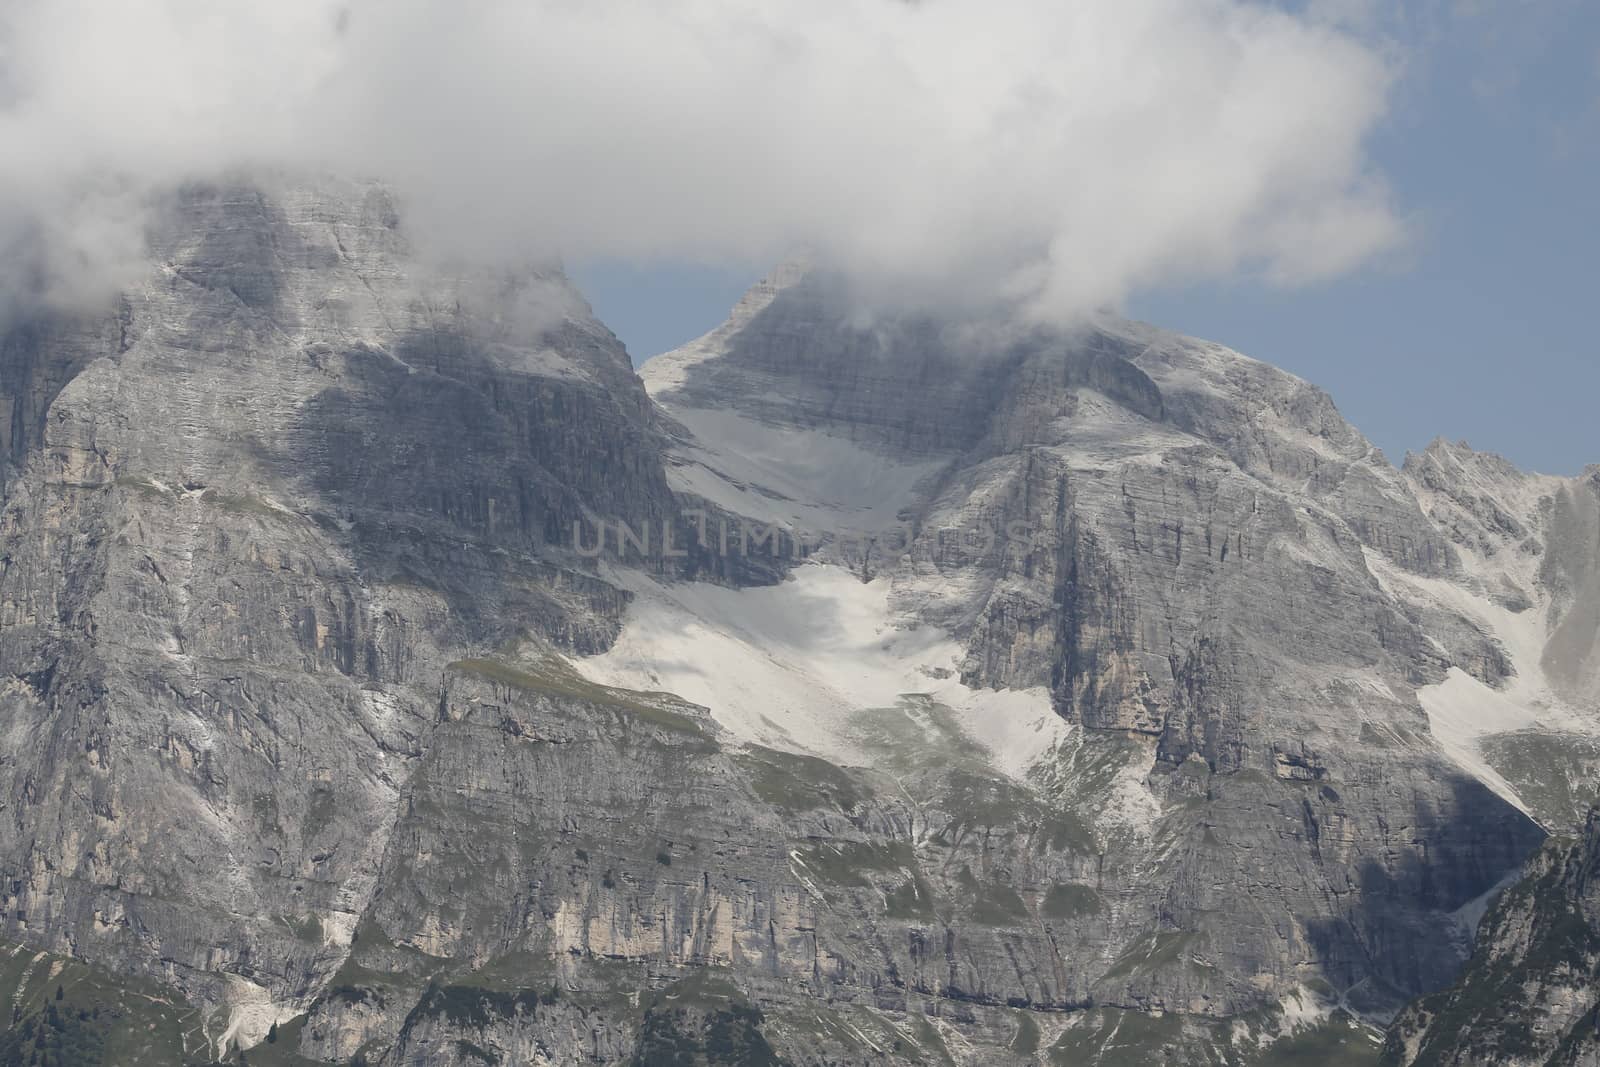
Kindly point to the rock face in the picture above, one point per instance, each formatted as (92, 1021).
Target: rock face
(939, 694)
(248, 516)
(1213, 565)
(1531, 994)
(1534, 541)
(1528, 546)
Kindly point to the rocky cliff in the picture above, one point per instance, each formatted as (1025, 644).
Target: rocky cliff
(1531, 994)
(1199, 557)
(937, 693)
(250, 512)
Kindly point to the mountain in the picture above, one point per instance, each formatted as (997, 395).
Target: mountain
(392, 676)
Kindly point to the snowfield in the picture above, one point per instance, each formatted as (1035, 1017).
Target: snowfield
(790, 666)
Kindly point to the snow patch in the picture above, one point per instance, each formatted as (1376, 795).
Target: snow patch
(789, 666)
(1470, 914)
(1461, 710)
(800, 477)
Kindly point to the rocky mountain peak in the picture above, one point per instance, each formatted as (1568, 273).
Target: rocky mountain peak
(999, 691)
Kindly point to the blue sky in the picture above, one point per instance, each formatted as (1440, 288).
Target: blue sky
(1483, 326)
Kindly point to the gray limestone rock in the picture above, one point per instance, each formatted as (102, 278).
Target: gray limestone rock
(294, 635)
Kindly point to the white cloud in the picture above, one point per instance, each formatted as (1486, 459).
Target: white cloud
(1057, 155)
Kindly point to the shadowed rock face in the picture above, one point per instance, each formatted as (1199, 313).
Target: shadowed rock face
(293, 639)
(1529, 995)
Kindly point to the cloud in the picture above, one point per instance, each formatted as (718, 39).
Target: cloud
(1051, 156)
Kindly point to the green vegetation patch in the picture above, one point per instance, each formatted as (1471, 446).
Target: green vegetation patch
(934, 761)
(911, 901)
(792, 782)
(145, 488)
(1112, 1035)
(989, 801)
(66, 1013)
(553, 678)
(917, 735)
(930, 1042)
(1153, 951)
(476, 1006)
(279, 1049)
(513, 971)
(1027, 1038)
(847, 863)
(473, 1052)
(727, 1037)
(991, 903)
(1556, 774)
(307, 928)
(1339, 1042)
(239, 504)
(1068, 901)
